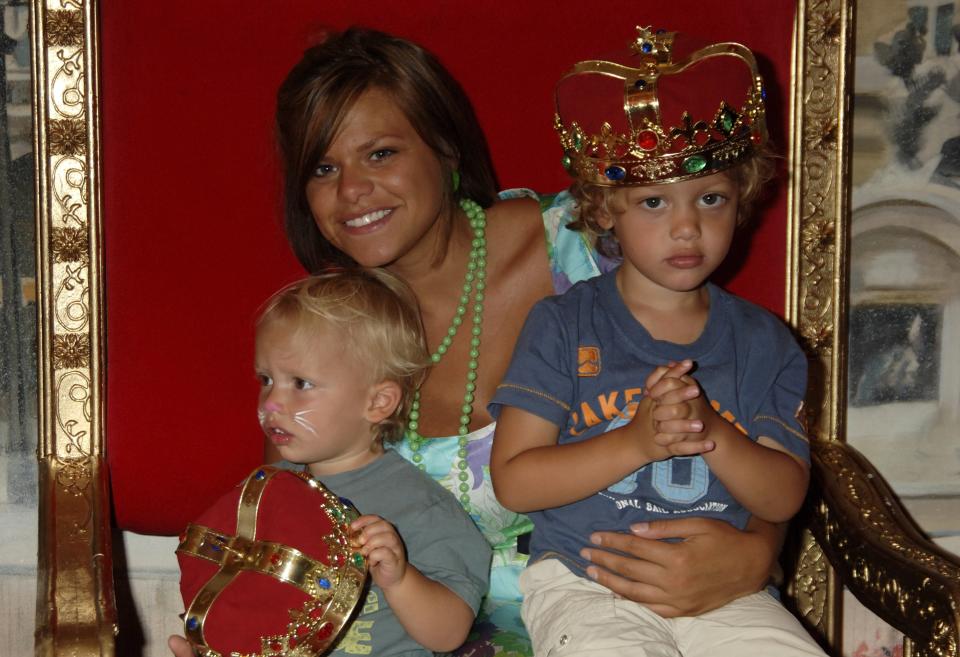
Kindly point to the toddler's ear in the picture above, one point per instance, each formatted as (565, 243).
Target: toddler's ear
(384, 398)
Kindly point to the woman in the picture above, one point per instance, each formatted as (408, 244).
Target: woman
(384, 161)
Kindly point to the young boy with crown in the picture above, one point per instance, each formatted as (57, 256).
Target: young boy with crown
(649, 392)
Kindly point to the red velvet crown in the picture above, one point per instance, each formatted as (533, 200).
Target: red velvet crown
(269, 569)
(668, 109)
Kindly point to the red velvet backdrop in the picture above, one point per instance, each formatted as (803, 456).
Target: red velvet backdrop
(191, 200)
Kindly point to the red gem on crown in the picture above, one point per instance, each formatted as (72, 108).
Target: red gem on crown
(647, 140)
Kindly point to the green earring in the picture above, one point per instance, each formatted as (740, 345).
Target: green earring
(455, 175)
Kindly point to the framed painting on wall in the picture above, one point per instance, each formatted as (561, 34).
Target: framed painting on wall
(903, 376)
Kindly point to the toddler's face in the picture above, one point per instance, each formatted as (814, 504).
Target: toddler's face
(315, 399)
(674, 235)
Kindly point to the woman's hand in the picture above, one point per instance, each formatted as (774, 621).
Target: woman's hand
(711, 564)
(180, 647)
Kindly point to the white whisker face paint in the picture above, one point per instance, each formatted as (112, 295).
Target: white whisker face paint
(303, 422)
(261, 416)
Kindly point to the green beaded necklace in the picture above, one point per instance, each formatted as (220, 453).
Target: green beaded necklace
(474, 284)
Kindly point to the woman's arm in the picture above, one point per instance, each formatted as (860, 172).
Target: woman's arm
(712, 563)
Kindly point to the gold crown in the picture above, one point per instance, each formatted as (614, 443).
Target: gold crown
(333, 586)
(652, 152)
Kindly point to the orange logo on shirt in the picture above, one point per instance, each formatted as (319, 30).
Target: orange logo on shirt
(588, 361)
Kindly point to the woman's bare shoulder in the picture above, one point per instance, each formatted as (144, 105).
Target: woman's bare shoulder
(517, 245)
(515, 224)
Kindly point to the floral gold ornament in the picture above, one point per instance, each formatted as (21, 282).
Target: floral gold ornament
(70, 245)
(270, 569)
(71, 351)
(67, 137)
(666, 134)
(64, 28)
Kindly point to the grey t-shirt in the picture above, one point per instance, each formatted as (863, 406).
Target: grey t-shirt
(441, 541)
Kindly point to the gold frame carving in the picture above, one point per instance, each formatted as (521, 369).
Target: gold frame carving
(854, 520)
(76, 613)
(816, 253)
(871, 544)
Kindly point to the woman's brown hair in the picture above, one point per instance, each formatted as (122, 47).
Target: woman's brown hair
(319, 92)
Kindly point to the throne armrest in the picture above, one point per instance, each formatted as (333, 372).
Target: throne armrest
(880, 554)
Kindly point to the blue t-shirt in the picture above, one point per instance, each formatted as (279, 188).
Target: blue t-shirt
(581, 361)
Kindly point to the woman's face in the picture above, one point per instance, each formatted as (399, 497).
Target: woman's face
(377, 193)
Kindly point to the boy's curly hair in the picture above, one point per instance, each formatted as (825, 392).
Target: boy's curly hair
(594, 201)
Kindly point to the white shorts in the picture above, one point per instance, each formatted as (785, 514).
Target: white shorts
(570, 616)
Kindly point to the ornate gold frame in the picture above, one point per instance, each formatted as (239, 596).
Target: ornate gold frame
(76, 613)
(872, 546)
(855, 522)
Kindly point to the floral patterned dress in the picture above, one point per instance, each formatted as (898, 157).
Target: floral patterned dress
(499, 629)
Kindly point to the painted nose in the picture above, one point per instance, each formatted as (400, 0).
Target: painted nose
(272, 407)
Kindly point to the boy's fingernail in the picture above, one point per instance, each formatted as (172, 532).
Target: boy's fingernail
(592, 572)
(640, 527)
(595, 539)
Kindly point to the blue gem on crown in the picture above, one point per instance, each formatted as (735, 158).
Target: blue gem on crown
(615, 173)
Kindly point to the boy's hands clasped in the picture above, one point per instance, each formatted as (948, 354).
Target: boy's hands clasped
(677, 411)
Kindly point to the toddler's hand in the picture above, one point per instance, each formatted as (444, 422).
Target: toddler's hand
(180, 647)
(679, 410)
(380, 543)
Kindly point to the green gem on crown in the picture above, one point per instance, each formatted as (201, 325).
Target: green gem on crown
(577, 140)
(726, 121)
(694, 164)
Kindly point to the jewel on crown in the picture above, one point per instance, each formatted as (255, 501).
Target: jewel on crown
(651, 151)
